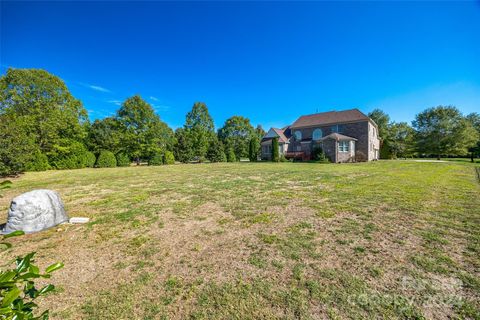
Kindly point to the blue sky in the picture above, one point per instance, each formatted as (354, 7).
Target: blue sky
(269, 61)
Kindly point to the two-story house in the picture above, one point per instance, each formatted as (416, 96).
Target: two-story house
(344, 136)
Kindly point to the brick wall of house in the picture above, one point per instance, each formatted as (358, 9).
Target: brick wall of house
(357, 130)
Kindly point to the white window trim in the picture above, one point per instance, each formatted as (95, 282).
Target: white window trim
(343, 146)
(298, 132)
(317, 130)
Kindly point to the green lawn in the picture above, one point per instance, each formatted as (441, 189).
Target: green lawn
(389, 239)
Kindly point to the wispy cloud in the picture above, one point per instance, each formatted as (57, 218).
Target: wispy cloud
(160, 107)
(95, 87)
(154, 99)
(115, 102)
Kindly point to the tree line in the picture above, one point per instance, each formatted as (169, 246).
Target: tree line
(43, 126)
(441, 131)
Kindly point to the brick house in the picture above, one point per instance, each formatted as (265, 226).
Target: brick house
(344, 136)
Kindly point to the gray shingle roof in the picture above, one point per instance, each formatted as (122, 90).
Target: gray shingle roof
(330, 117)
(338, 137)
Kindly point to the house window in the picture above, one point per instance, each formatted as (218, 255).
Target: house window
(338, 128)
(317, 134)
(344, 146)
(298, 135)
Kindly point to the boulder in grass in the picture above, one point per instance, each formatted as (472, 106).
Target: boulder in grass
(35, 211)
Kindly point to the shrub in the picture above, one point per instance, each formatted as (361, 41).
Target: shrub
(231, 155)
(253, 149)
(123, 160)
(215, 152)
(69, 154)
(90, 159)
(318, 154)
(39, 162)
(18, 293)
(156, 160)
(106, 159)
(168, 158)
(275, 151)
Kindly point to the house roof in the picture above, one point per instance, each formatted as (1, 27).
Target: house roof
(283, 134)
(330, 117)
(338, 137)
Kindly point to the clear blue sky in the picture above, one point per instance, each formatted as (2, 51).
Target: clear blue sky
(269, 61)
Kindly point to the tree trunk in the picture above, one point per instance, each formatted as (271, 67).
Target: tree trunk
(137, 160)
(471, 156)
(438, 157)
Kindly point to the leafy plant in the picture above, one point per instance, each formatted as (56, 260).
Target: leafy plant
(168, 158)
(106, 159)
(18, 293)
(275, 150)
(123, 160)
(90, 159)
(156, 160)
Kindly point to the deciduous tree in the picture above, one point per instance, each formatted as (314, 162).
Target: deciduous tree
(143, 133)
(444, 131)
(236, 133)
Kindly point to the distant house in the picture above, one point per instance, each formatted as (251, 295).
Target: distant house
(344, 136)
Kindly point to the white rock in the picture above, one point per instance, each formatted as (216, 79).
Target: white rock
(35, 211)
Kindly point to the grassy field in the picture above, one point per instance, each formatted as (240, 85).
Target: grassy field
(390, 239)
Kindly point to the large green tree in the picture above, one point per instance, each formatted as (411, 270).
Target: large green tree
(196, 134)
(17, 148)
(143, 133)
(106, 134)
(215, 152)
(236, 133)
(400, 140)
(183, 146)
(443, 130)
(474, 119)
(45, 105)
(260, 132)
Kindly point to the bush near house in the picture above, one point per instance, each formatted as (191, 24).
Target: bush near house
(106, 159)
(275, 151)
(156, 160)
(231, 157)
(122, 160)
(319, 155)
(168, 158)
(90, 160)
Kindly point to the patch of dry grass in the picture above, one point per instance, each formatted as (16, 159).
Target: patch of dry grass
(238, 241)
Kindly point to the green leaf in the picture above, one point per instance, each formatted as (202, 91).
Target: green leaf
(7, 276)
(46, 289)
(29, 275)
(11, 296)
(34, 269)
(54, 267)
(6, 245)
(14, 234)
(24, 263)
